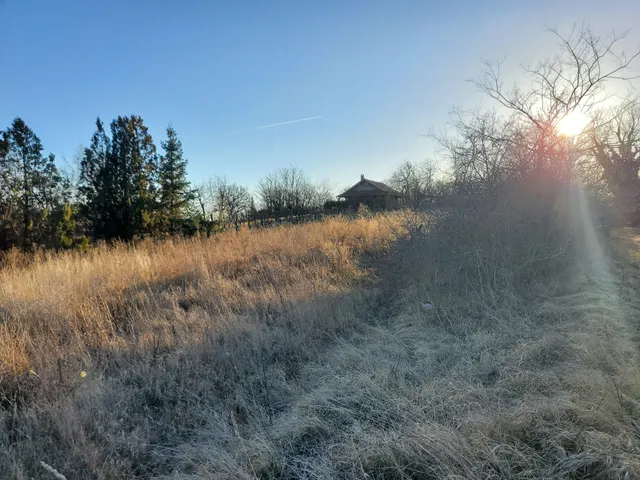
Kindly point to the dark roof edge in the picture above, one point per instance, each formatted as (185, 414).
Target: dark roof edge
(379, 185)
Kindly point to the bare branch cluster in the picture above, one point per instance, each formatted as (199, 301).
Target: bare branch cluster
(573, 77)
(290, 190)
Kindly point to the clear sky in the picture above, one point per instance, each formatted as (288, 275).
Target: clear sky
(379, 74)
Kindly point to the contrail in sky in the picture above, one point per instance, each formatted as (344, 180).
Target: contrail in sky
(274, 125)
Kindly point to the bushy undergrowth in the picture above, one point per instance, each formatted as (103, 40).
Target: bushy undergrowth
(533, 334)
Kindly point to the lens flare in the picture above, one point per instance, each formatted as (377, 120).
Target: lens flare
(572, 124)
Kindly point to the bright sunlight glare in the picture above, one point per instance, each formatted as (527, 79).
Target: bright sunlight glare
(572, 124)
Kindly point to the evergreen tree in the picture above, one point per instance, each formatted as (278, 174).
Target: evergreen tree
(95, 188)
(175, 192)
(7, 197)
(30, 184)
(56, 193)
(66, 227)
(118, 180)
(133, 168)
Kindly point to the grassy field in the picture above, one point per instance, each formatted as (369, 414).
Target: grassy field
(306, 352)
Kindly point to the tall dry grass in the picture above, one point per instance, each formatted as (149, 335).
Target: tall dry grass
(306, 352)
(154, 295)
(126, 331)
(531, 351)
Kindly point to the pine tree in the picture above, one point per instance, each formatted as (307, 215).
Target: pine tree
(133, 165)
(30, 182)
(55, 194)
(7, 204)
(119, 180)
(95, 188)
(175, 192)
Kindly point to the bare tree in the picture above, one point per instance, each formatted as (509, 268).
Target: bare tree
(414, 180)
(287, 191)
(232, 200)
(323, 192)
(521, 140)
(616, 149)
(572, 78)
(219, 200)
(203, 199)
(484, 150)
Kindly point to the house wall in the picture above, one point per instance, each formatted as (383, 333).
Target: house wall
(373, 201)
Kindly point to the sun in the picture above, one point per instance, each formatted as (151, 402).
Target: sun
(572, 124)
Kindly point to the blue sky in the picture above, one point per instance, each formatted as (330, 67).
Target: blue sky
(380, 74)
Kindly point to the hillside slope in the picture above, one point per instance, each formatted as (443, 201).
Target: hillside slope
(278, 355)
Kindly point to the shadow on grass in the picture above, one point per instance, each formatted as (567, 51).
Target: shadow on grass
(233, 374)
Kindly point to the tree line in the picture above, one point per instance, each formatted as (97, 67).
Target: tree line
(124, 188)
(127, 188)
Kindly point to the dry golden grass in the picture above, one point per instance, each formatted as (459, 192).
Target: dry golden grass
(153, 296)
(277, 354)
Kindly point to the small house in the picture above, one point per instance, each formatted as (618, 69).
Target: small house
(375, 195)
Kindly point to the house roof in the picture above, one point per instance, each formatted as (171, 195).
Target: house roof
(355, 190)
